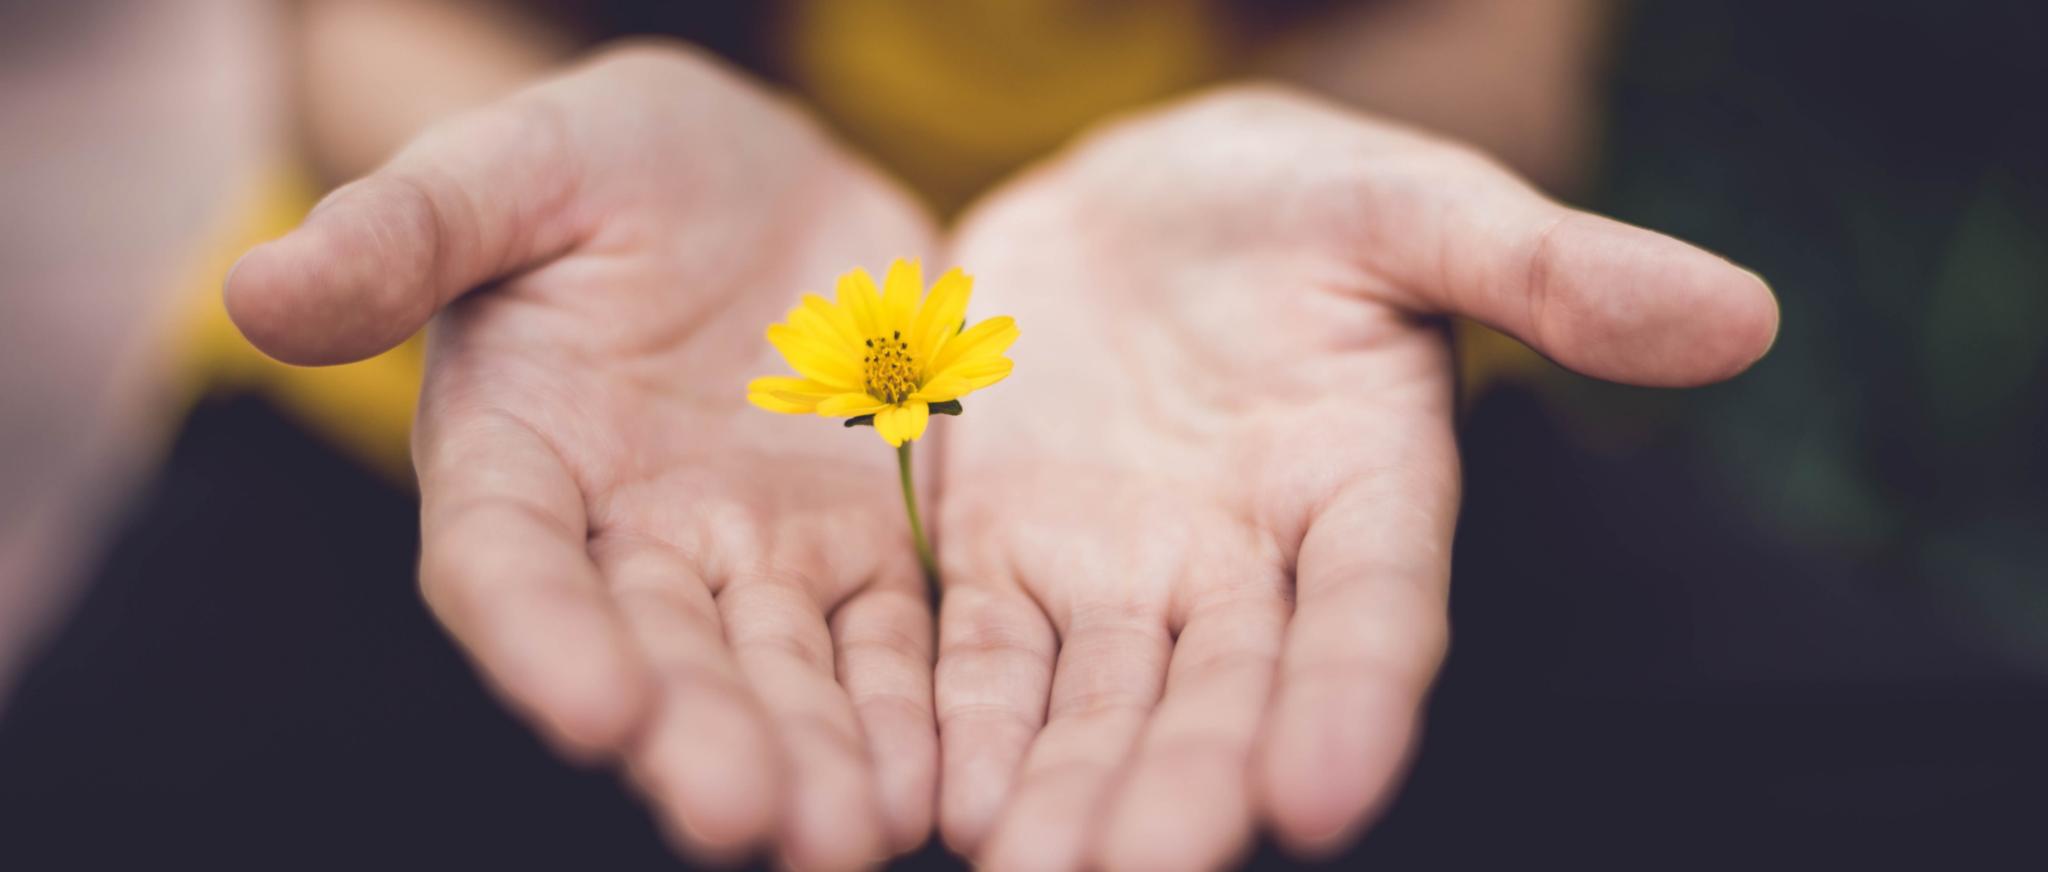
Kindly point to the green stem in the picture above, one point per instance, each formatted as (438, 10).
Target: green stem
(924, 545)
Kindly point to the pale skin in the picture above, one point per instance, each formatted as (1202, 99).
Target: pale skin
(1195, 547)
(1198, 545)
(649, 569)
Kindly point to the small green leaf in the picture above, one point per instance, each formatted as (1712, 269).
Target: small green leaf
(861, 421)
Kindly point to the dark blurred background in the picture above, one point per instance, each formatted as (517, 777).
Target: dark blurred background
(1797, 620)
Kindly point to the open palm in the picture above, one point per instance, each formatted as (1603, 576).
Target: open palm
(651, 569)
(1197, 551)
(1196, 548)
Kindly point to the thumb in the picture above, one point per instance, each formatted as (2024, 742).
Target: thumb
(1601, 297)
(470, 200)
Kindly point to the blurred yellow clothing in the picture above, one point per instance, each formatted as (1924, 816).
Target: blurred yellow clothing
(951, 96)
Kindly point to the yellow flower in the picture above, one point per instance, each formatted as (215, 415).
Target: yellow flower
(887, 354)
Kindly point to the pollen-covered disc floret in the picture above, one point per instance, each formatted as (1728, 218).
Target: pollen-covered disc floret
(891, 353)
(890, 373)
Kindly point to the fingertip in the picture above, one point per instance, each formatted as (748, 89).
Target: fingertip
(969, 803)
(844, 857)
(1714, 321)
(1307, 822)
(990, 686)
(554, 652)
(728, 838)
(903, 753)
(1754, 325)
(1036, 836)
(909, 790)
(1635, 306)
(883, 642)
(1325, 774)
(1171, 818)
(979, 770)
(352, 281)
(829, 833)
(1212, 850)
(716, 780)
(593, 705)
(259, 294)
(586, 717)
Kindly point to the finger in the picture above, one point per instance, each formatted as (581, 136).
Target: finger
(994, 673)
(832, 818)
(707, 757)
(503, 565)
(1596, 295)
(1186, 803)
(470, 200)
(1112, 664)
(884, 642)
(1367, 635)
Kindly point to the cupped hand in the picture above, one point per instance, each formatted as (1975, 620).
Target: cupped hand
(1197, 550)
(648, 568)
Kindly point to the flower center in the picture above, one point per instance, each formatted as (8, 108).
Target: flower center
(890, 372)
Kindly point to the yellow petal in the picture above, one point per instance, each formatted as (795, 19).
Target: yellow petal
(850, 405)
(790, 396)
(777, 404)
(782, 384)
(812, 360)
(911, 418)
(941, 388)
(985, 340)
(857, 295)
(902, 423)
(900, 290)
(837, 316)
(939, 318)
(821, 331)
(978, 374)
